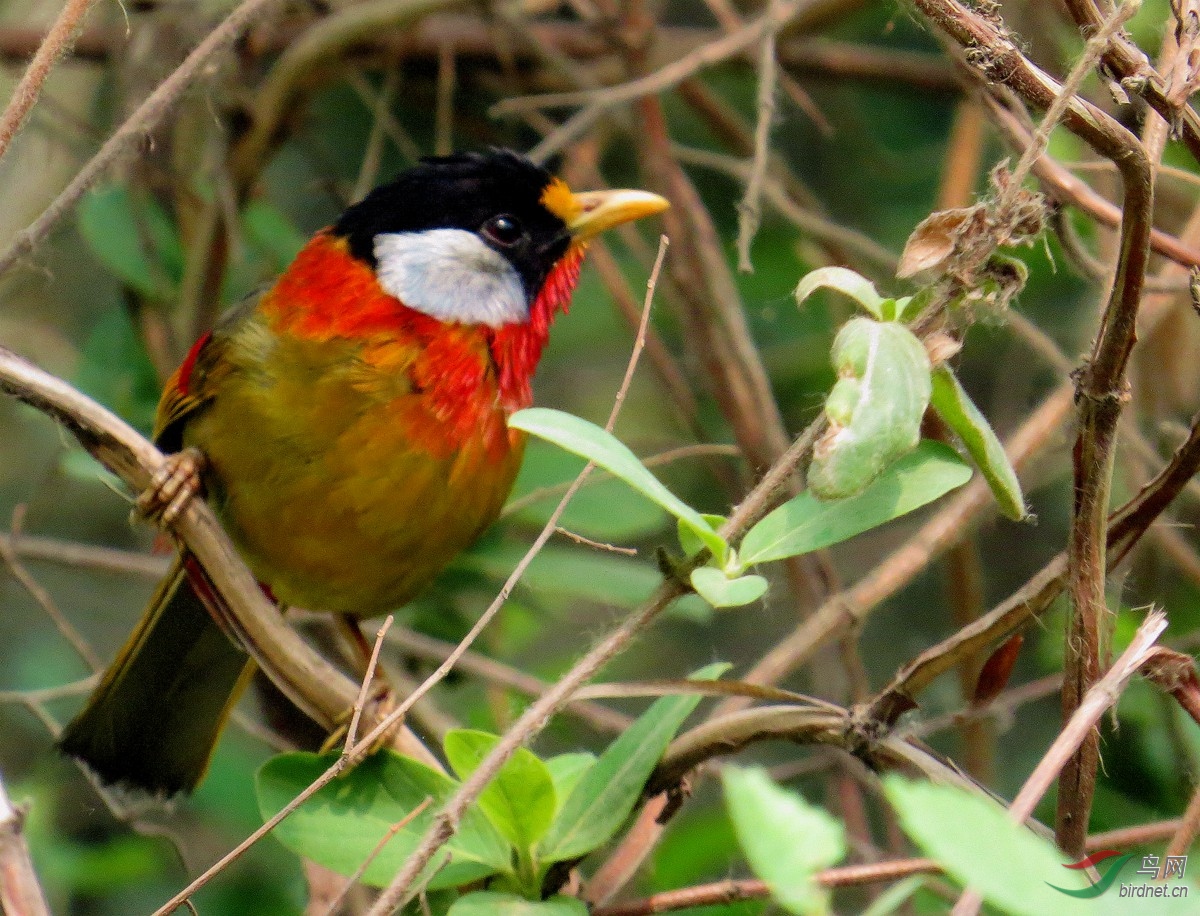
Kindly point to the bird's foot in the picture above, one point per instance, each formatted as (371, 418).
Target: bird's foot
(379, 705)
(172, 487)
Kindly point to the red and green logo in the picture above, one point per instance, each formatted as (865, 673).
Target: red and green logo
(1107, 875)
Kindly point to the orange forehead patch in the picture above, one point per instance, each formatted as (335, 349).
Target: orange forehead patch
(558, 199)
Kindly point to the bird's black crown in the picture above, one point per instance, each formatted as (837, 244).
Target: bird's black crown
(470, 191)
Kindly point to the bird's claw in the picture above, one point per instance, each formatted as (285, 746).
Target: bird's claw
(172, 487)
(380, 704)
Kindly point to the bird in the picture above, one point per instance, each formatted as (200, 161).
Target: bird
(348, 428)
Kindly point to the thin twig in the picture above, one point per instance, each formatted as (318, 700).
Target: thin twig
(496, 672)
(56, 43)
(352, 731)
(598, 545)
(731, 891)
(357, 874)
(599, 102)
(20, 892)
(325, 40)
(1097, 44)
(368, 172)
(8, 554)
(85, 556)
(447, 79)
(750, 208)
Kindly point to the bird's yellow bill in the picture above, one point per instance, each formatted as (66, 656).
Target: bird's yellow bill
(591, 212)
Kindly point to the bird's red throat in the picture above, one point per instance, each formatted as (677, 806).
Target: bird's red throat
(327, 293)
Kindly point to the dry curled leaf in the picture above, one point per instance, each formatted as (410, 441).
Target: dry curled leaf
(936, 239)
(963, 242)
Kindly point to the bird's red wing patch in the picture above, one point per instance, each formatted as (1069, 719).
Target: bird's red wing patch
(178, 397)
(183, 375)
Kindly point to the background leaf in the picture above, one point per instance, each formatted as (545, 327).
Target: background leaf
(786, 840)
(134, 238)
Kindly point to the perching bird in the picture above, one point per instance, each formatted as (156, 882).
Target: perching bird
(349, 429)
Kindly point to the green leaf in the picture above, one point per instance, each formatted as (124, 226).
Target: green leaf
(805, 523)
(490, 903)
(1015, 871)
(272, 233)
(603, 798)
(959, 412)
(596, 444)
(342, 824)
(691, 544)
(134, 238)
(566, 770)
(847, 282)
(786, 840)
(520, 801)
(874, 409)
(115, 370)
(720, 591)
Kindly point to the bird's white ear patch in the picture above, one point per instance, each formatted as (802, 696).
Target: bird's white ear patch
(451, 275)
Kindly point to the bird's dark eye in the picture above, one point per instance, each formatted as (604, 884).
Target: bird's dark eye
(504, 230)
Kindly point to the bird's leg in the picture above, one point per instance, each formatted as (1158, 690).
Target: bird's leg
(173, 486)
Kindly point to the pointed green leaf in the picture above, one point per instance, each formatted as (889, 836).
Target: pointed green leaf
(959, 412)
(596, 444)
(786, 840)
(606, 794)
(520, 801)
(805, 523)
(720, 591)
(342, 824)
(491, 903)
(874, 409)
(566, 770)
(847, 282)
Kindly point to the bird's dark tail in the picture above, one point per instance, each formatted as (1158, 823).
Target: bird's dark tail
(154, 720)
